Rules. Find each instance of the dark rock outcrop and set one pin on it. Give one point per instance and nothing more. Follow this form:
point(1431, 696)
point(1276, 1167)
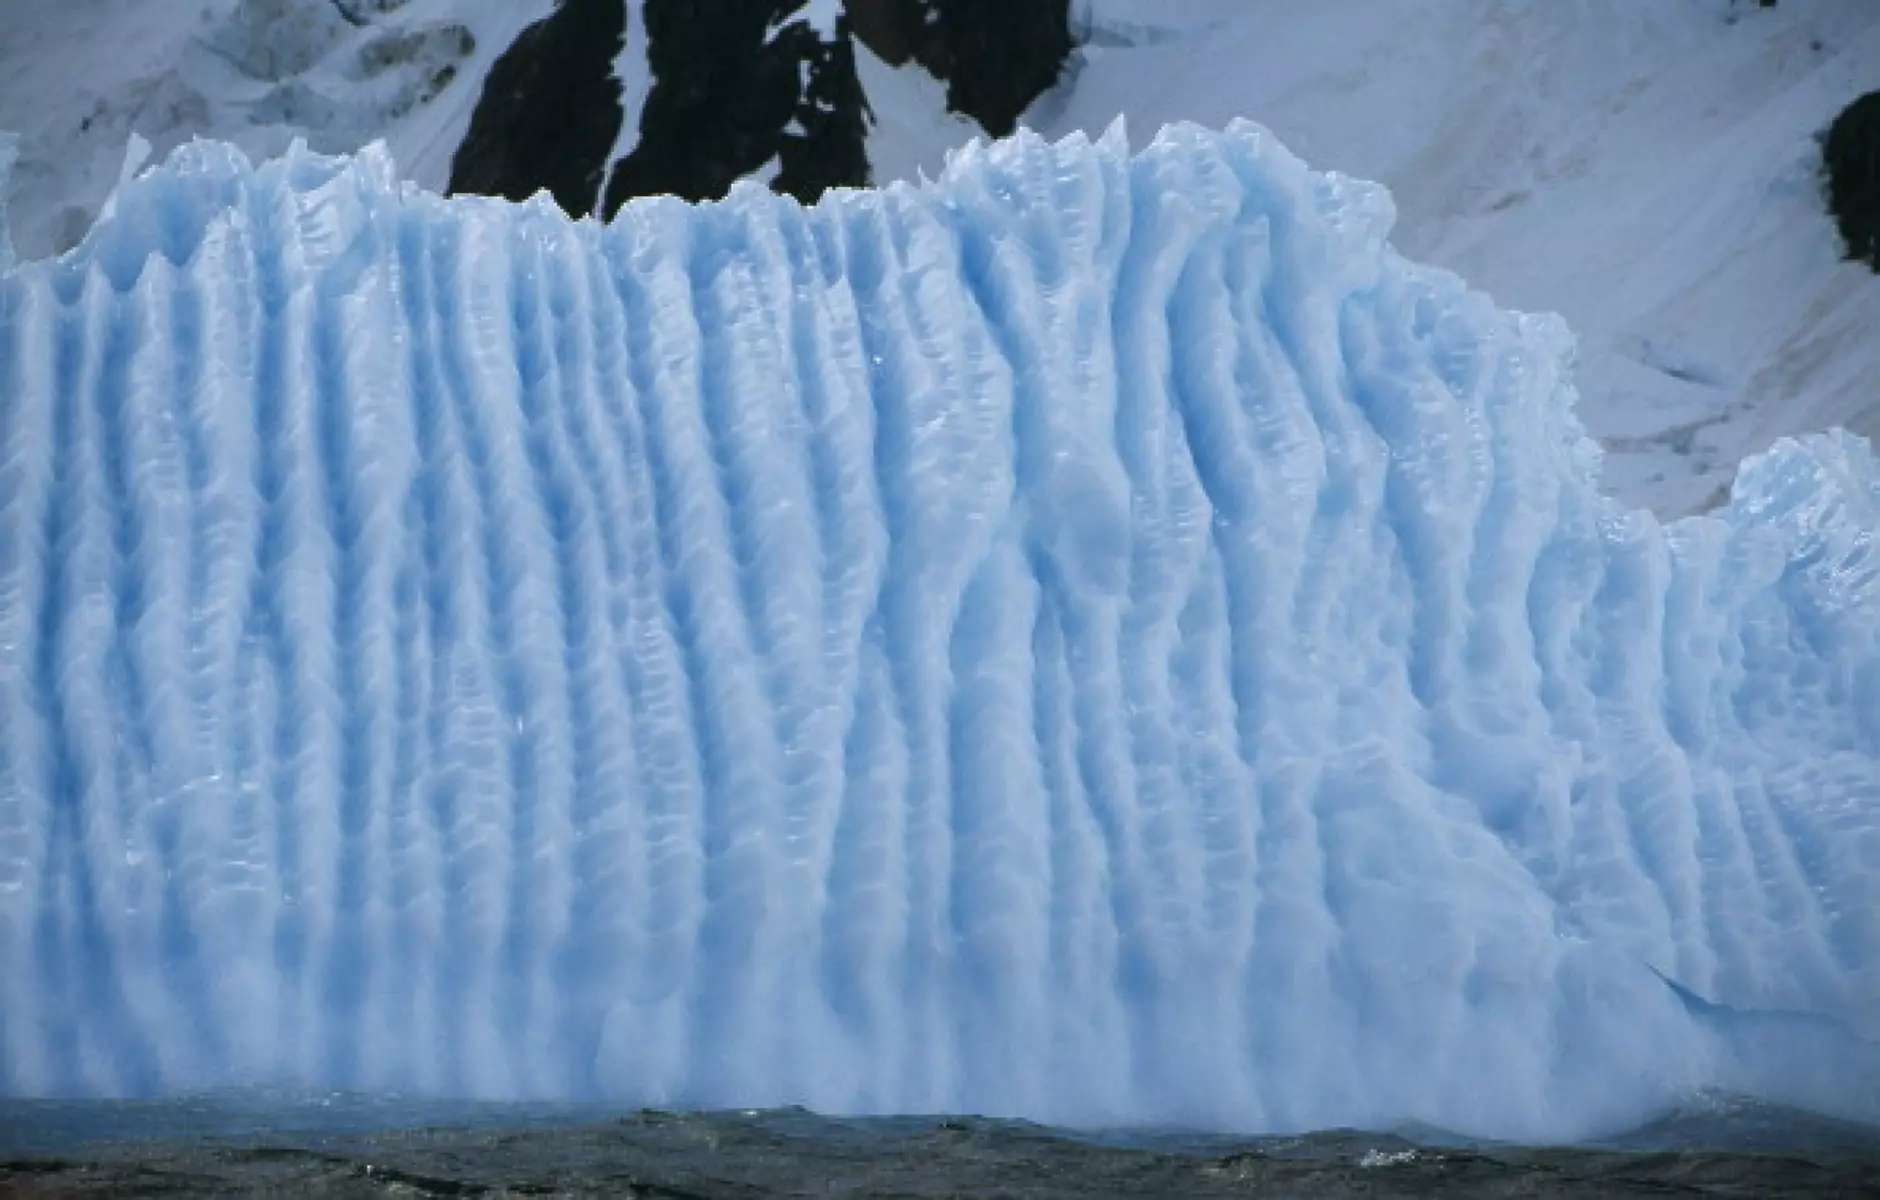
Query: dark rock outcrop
point(550, 110)
point(829, 148)
point(737, 85)
point(1850, 163)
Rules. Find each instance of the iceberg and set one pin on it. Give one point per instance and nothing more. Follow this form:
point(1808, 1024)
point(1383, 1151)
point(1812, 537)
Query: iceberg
point(1097, 638)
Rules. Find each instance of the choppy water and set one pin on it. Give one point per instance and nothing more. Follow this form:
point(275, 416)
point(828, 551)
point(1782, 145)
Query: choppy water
point(268, 1143)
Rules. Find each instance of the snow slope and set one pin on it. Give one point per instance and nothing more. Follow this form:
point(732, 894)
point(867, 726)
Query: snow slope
point(1095, 639)
point(633, 72)
point(1646, 168)
point(79, 77)
point(910, 131)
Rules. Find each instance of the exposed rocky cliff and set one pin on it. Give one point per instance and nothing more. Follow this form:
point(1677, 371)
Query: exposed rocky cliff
point(737, 87)
point(1850, 156)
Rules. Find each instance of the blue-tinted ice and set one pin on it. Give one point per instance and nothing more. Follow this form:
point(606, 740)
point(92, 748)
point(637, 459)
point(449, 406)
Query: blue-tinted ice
point(1096, 639)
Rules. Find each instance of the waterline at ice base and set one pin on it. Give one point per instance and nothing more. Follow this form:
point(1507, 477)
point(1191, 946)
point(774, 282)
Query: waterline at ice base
point(1096, 638)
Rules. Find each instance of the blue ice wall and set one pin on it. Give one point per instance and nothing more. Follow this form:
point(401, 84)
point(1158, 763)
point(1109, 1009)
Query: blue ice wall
point(1094, 638)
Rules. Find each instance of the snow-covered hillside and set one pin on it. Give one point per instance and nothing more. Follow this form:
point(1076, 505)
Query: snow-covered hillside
point(79, 77)
point(1646, 168)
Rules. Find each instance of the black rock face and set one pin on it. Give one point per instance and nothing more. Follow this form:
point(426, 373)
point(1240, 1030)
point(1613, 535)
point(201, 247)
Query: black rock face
point(1850, 155)
point(736, 85)
point(549, 111)
point(829, 150)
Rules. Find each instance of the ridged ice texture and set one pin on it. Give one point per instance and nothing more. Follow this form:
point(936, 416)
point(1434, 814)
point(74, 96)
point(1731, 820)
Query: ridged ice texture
point(1095, 639)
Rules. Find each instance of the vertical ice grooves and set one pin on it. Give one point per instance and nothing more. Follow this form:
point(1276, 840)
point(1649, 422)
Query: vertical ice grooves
point(736, 586)
point(539, 899)
point(208, 841)
point(1099, 638)
point(480, 805)
point(25, 816)
point(420, 901)
point(345, 490)
point(648, 1044)
point(116, 692)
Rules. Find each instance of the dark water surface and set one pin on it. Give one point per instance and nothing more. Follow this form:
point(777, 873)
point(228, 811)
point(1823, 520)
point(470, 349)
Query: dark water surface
point(338, 1145)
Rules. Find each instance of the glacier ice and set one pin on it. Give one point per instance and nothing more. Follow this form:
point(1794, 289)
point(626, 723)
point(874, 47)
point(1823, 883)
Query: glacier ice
point(1094, 638)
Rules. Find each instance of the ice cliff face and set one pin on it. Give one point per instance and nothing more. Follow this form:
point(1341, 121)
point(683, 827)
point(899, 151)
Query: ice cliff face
point(1095, 638)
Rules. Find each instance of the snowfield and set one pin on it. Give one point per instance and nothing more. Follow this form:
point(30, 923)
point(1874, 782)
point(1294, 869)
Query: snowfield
point(1647, 170)
point(79, 77)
